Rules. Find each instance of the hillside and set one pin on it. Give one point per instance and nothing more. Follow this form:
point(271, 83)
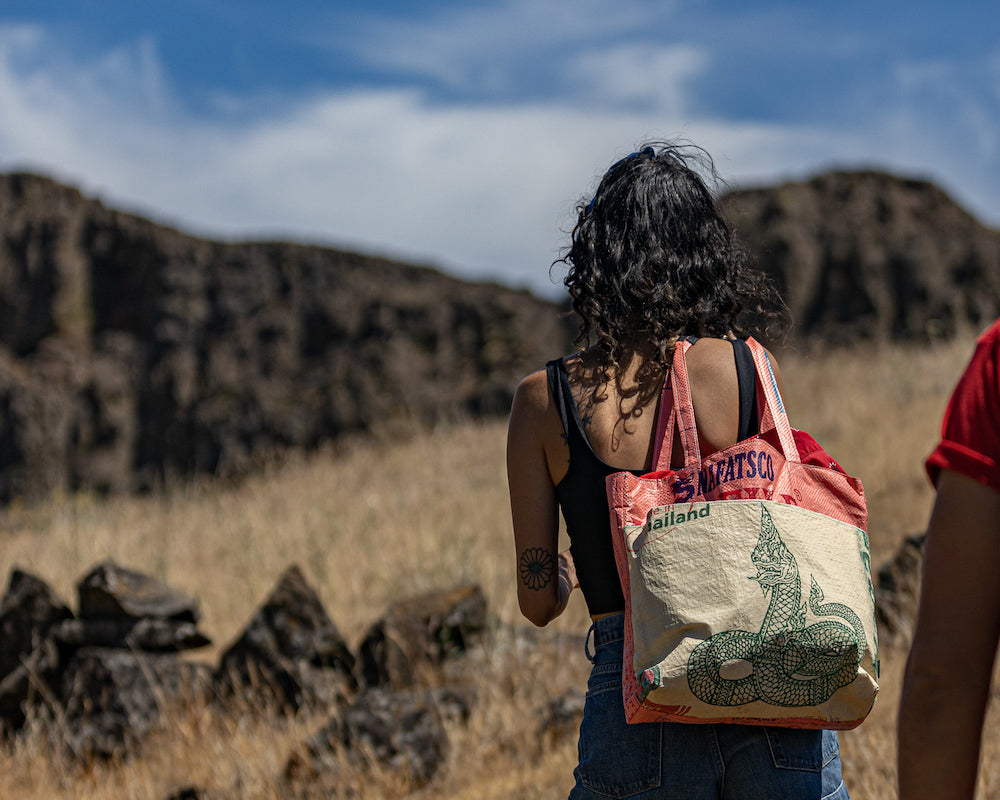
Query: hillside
point(132, 353)
point(868, 255)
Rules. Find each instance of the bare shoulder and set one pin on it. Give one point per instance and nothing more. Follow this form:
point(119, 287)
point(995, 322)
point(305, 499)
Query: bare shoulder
point(533, 415)
point(532, 395)
point(709, 348)
point(711, 362)
point(534, 431)
point(717, 351)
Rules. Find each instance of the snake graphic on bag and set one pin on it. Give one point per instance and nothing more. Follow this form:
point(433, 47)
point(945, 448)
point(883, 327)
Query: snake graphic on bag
point(792, 664)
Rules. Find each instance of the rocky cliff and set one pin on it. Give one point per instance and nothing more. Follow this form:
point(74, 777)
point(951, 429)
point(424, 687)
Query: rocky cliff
point(869, 255)
point(130, 352)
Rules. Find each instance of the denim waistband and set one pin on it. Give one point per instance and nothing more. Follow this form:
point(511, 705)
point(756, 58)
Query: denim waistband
point(605, 631)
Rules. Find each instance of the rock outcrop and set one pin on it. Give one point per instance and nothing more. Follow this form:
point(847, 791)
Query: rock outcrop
point(107, 673)
point(291, 653)
point(131, 353)
point(102, 682)
point(868, 255)
point(420, 633)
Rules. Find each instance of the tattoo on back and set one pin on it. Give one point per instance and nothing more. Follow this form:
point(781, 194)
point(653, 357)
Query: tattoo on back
point(536, 567)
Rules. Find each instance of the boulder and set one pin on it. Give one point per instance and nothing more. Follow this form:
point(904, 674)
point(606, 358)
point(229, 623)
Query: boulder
point(28, 610)
point(291, 652)
point(561, 717)
point(113, 698)
point(104, 674)
point(150, 634)
point(420, 632)
point(110, 591)
point(402, 732)
point(29, 686)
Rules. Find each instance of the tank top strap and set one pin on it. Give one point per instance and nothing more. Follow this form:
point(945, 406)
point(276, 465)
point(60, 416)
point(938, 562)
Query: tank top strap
point(746, 375)
point(557, 387)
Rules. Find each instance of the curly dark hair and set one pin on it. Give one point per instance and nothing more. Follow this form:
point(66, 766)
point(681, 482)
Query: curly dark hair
point(652, 260)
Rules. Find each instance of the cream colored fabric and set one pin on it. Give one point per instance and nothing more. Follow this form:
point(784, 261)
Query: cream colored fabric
point(699, 570)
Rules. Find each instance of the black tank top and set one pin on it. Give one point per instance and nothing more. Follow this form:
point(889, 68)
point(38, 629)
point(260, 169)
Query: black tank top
point(581, 492)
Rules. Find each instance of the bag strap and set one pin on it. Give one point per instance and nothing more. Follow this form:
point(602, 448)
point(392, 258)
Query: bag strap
point(663, 439)
point(677, 412)
point(773, 413)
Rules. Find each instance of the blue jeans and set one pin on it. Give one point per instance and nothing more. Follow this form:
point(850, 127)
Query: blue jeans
point(667, 760)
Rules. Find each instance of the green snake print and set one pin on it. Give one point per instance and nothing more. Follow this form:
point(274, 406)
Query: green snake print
point(790, 664)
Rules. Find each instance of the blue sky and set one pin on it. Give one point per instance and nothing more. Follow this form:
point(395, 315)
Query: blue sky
point(462, 134)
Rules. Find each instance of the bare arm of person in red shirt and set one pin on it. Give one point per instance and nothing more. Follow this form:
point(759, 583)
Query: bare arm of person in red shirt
point(946, 688)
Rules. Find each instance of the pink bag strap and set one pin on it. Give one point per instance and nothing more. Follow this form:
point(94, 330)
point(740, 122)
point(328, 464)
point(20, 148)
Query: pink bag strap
point(772, 409)
point(677, 412)
point(663, 442)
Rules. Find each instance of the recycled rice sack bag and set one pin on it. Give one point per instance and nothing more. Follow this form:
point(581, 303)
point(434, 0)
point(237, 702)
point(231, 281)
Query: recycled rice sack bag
point(746, 576)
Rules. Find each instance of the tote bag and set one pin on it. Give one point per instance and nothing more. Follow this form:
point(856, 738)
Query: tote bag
point(746, 576)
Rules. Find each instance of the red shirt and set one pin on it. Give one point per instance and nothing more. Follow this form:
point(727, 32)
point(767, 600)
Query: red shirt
point(970, 432)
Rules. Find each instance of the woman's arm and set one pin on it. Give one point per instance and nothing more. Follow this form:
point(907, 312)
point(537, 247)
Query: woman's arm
point(948, 673)
point(545, 577)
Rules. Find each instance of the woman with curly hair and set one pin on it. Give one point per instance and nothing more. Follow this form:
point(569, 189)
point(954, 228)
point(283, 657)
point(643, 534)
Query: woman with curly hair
point(651, 261)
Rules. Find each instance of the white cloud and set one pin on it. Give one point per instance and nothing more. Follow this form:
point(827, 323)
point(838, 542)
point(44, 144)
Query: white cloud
point(485, 190)
point(645, 75)
point(485, 47)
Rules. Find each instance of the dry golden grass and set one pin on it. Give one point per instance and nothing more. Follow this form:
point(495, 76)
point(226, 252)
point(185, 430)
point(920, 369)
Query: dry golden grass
point(371, 523)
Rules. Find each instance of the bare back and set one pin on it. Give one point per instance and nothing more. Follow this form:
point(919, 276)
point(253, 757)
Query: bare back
point(620, 429)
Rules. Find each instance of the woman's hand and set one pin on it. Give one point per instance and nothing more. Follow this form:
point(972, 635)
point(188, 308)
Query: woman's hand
point(567, 579)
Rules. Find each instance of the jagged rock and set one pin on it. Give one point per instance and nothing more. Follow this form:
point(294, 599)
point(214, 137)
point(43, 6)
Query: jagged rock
point(897, 592)
point(402, 731)
point(422, 631)
point(290, 651)
point(149, 634)
point(95, 671)
point(113, 698)
point(113, 592)
point(28, 609)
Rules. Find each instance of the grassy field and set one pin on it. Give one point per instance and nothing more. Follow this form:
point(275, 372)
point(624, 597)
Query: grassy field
point(374, 522)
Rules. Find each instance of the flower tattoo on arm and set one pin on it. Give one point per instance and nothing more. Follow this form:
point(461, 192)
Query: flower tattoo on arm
point(537, 566)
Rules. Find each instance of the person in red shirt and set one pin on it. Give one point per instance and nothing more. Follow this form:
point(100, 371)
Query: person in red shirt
point(948, 673)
